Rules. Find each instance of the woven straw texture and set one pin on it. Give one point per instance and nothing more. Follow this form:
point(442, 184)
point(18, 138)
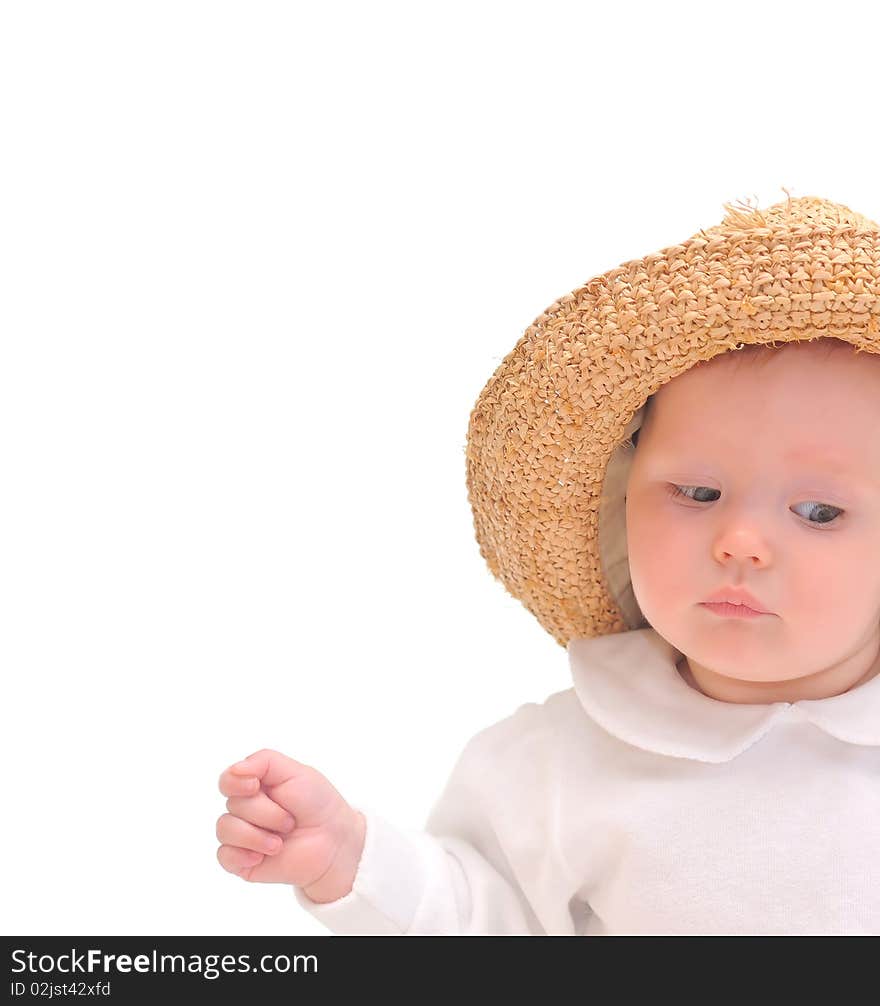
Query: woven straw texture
point(565, 398)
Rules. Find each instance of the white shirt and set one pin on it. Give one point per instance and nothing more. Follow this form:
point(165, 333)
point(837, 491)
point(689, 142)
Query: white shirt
point(633, 804)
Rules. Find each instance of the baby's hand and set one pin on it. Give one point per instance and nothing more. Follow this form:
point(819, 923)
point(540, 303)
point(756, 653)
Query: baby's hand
point(287, 824)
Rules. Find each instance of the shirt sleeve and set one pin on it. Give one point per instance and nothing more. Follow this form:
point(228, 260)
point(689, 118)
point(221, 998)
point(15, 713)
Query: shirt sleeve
point(451, 879)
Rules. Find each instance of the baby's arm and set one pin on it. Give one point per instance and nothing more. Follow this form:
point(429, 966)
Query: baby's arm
point(356, 872)
point(413, 883)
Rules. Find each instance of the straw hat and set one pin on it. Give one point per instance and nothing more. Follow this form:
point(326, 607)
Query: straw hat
point(548, 444)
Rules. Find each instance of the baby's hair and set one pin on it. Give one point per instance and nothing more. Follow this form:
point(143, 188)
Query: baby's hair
point(756, 355)
point(764, 352)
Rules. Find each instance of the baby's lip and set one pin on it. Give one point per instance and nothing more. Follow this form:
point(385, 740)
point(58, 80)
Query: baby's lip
point(737, 595)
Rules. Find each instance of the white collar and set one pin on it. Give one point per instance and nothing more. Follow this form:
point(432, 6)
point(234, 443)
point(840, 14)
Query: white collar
point(629, 684)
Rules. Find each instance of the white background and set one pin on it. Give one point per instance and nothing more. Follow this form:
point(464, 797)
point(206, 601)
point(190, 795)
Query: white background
point(258, 261)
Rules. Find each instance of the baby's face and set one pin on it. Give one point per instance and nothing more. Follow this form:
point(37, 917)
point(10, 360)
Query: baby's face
point(787, 460)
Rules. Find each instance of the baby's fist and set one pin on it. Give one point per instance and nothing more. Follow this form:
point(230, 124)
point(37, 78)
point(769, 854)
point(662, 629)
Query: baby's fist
point(287, 824)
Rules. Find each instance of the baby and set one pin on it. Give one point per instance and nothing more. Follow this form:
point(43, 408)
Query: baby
point(715, 768)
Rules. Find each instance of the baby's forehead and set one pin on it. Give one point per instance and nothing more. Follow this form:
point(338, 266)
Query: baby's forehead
point(798, 375)
point(833, 447)
point(802, 403)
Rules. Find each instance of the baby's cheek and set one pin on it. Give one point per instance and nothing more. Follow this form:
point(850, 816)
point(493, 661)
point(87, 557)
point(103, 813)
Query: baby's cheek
point(663, 583)
point(660, 560)
point(822, 604)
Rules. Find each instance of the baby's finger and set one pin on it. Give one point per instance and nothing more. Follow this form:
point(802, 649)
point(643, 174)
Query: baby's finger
point(238, 861)
point(262, 811)
point(232, 830)
point(231, 784)
point(271, 767)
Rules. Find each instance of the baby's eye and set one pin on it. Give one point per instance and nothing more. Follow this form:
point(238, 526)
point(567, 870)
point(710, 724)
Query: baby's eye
point(697, 489)
point(823, 511)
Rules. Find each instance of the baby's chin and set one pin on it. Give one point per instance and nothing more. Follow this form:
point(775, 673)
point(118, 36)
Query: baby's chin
point(739, 656)
point(748, 667)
